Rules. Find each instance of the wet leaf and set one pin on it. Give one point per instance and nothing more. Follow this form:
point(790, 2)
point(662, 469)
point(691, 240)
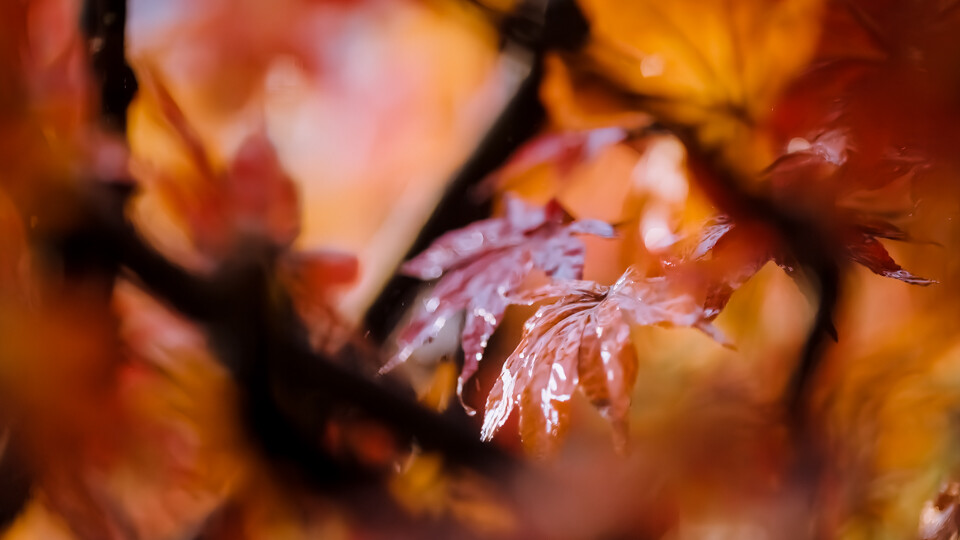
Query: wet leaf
point(583, 340)
point(808, 178)
point(720, 258)
point(864, 248)
point(725, 256)
point(481, 264)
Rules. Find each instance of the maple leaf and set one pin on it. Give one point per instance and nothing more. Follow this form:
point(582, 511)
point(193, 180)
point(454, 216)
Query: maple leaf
point(728, 256)
point(484, 262)
point(863, 248)
point(810, 177)
point(859, 79)
point(583, 340)
point(728, 52)
point(251, 197)
point(817, 176)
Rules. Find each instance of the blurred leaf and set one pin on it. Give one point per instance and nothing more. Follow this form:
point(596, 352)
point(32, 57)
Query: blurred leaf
point(252, 196)
point(716, 67)
point(425, 486)
point(313, 278)
point(808, 178)
point(561, 150)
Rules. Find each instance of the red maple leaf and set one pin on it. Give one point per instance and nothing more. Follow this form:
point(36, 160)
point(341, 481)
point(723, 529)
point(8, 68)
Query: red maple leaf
point(811, 177)
point(726, 255)
point(481, 264)
point(862, 247)
point(583, 340)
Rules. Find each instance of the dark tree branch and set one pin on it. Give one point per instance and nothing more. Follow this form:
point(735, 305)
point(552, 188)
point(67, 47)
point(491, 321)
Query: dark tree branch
point(15, 478)
point(104, 25)
point(254, 327)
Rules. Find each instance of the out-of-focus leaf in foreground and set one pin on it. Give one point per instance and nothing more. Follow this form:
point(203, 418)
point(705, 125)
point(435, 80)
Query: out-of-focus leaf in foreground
point(484, 262)
point(583, 340)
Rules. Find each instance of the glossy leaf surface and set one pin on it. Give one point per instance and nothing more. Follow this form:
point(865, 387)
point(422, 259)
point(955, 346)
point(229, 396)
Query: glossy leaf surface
point(481, 264)
point(583, 340)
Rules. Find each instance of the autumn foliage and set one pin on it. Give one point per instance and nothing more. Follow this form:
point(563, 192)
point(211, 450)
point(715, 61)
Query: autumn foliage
point(714, 296)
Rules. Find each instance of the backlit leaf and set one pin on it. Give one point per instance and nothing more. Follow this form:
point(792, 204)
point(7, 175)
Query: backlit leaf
point(717, 67)
point(484, 262)
point(583, 340)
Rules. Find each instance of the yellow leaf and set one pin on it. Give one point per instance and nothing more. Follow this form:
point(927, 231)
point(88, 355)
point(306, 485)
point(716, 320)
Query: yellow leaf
point(716, 67)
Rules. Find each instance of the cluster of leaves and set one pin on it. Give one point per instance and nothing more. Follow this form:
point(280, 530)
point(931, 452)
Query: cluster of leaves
point(482, 265)
point(796, 117)
point(713, 83)
point(582, 336)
